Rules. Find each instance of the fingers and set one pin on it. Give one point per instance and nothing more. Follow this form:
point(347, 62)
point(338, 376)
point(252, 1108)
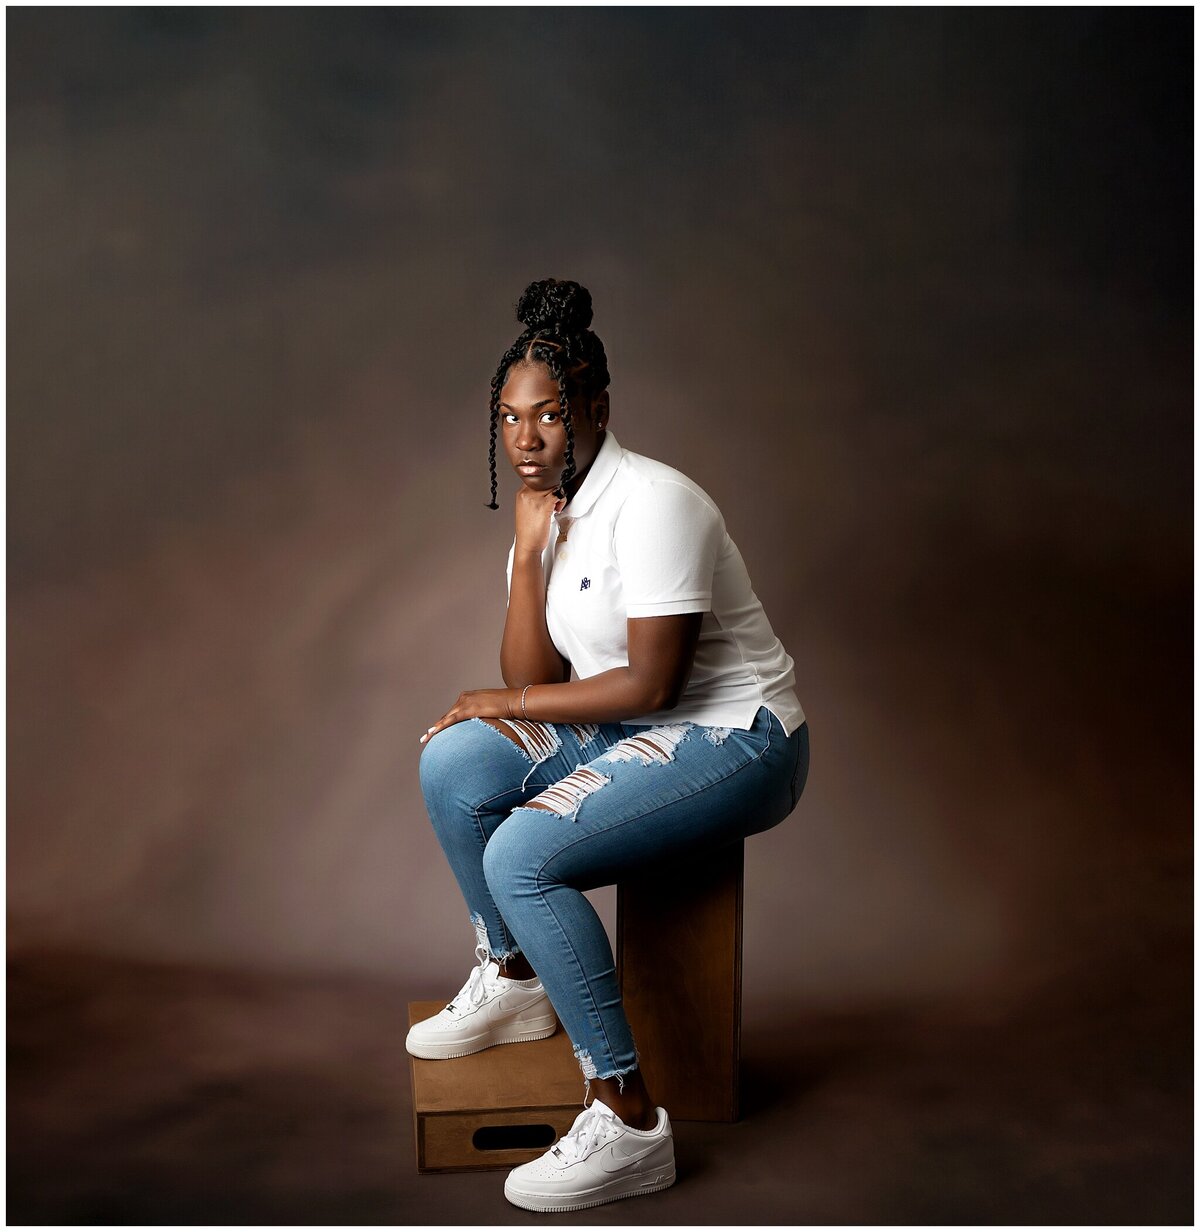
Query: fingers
point(447, 720)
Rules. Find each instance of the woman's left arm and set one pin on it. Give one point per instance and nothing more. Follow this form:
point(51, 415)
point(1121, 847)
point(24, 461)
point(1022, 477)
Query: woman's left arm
point(661, 652)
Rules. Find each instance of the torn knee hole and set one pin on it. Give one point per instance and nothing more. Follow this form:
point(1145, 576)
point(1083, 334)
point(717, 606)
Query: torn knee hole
point(565, 796)
point(658, 744)
point(583, 732)
point(538, 741)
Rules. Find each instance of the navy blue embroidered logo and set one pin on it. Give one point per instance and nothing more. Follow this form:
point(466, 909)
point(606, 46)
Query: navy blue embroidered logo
point(585, 583)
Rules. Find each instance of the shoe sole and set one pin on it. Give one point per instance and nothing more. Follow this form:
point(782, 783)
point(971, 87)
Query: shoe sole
point(523, 1034)
point(652, 1182)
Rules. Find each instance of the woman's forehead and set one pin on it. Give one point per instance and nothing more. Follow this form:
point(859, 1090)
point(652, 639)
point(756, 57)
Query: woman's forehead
point(530, 376)
point(527, 386)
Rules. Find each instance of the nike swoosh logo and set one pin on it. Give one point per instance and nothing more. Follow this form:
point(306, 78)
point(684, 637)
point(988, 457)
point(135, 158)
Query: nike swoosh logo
point(511, 1001)
point(613, 1161)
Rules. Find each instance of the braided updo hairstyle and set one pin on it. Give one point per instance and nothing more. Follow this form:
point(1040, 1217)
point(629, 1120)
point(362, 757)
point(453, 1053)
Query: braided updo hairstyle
point(556, 315)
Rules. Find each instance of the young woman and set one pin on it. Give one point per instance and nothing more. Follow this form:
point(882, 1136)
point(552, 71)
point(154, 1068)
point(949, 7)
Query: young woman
point(682, 731)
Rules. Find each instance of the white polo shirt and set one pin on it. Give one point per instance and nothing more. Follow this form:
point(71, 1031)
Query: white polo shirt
point(639, 538)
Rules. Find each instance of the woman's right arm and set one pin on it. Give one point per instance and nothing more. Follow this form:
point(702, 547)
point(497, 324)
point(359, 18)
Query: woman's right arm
point(527, 655)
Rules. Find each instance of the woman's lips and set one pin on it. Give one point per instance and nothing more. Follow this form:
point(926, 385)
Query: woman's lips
point(530, 468)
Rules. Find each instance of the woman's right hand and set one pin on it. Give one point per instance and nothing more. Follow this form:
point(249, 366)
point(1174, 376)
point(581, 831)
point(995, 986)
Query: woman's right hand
point(533, 520)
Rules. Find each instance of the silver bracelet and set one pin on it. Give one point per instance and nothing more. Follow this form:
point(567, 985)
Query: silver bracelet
point(523, 692)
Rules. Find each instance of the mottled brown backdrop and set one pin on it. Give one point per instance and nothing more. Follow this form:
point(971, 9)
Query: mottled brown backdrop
point(908, 292)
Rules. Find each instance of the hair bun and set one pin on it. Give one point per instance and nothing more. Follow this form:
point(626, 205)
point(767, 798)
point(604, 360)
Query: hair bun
point(551, 304)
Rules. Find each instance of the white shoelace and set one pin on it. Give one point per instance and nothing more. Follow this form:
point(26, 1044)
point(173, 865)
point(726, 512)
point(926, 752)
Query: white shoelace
point(590, 1127)
point(474, 992)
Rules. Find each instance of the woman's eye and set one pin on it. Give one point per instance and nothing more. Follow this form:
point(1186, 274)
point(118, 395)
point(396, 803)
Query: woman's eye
point(547, 416)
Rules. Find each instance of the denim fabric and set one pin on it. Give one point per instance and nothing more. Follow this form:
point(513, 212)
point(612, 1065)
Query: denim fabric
point(616, 796)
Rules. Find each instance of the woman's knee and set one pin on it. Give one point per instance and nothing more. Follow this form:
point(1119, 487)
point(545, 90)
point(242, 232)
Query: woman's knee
point(514, 854)
point(460, 762)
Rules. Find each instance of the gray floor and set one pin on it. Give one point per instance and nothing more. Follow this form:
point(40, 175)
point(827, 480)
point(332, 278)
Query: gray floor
point(154, 1094)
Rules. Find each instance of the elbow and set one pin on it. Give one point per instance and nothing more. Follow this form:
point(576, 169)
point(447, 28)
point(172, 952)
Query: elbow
point(664, 696)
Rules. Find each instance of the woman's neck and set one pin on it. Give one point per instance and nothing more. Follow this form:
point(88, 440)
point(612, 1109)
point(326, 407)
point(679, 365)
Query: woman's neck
point(578, 478)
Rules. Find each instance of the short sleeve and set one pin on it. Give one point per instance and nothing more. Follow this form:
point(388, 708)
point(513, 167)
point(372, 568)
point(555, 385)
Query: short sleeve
point(666, 541)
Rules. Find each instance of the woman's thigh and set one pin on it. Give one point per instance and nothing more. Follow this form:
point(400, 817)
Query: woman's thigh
point(661, 791)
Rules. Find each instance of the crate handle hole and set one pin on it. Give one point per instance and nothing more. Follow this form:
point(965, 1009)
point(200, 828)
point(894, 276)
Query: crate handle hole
point(512, 1137)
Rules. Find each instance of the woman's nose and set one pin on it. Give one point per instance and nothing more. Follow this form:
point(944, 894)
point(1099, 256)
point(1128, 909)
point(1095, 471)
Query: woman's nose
point(527, 437)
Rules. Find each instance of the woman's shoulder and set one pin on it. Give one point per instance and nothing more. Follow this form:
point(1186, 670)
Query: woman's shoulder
point(649, 478)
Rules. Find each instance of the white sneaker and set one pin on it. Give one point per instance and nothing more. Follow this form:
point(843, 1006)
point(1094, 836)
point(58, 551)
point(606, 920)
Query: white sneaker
point(600, 1159)
point(489, 1009)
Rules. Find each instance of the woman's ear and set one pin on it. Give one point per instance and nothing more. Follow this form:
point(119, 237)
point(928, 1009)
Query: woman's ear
point(600, 409)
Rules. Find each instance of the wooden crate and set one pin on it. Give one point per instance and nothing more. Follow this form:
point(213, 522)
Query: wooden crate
point(465, 1108)
point(679, 960)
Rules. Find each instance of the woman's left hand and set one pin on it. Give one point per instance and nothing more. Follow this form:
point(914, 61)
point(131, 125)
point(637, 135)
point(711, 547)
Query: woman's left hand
point(479, 704)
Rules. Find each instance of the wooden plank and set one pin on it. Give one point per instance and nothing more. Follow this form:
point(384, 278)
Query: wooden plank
point(537, 1074)
point(679, 961)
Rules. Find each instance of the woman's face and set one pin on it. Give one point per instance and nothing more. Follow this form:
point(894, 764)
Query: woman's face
point(532, 428)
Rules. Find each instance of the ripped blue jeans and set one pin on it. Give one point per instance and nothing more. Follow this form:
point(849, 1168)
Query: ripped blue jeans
point(532, 814)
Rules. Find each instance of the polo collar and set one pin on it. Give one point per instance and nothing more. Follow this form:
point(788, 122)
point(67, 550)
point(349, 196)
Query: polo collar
point(603, 468)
